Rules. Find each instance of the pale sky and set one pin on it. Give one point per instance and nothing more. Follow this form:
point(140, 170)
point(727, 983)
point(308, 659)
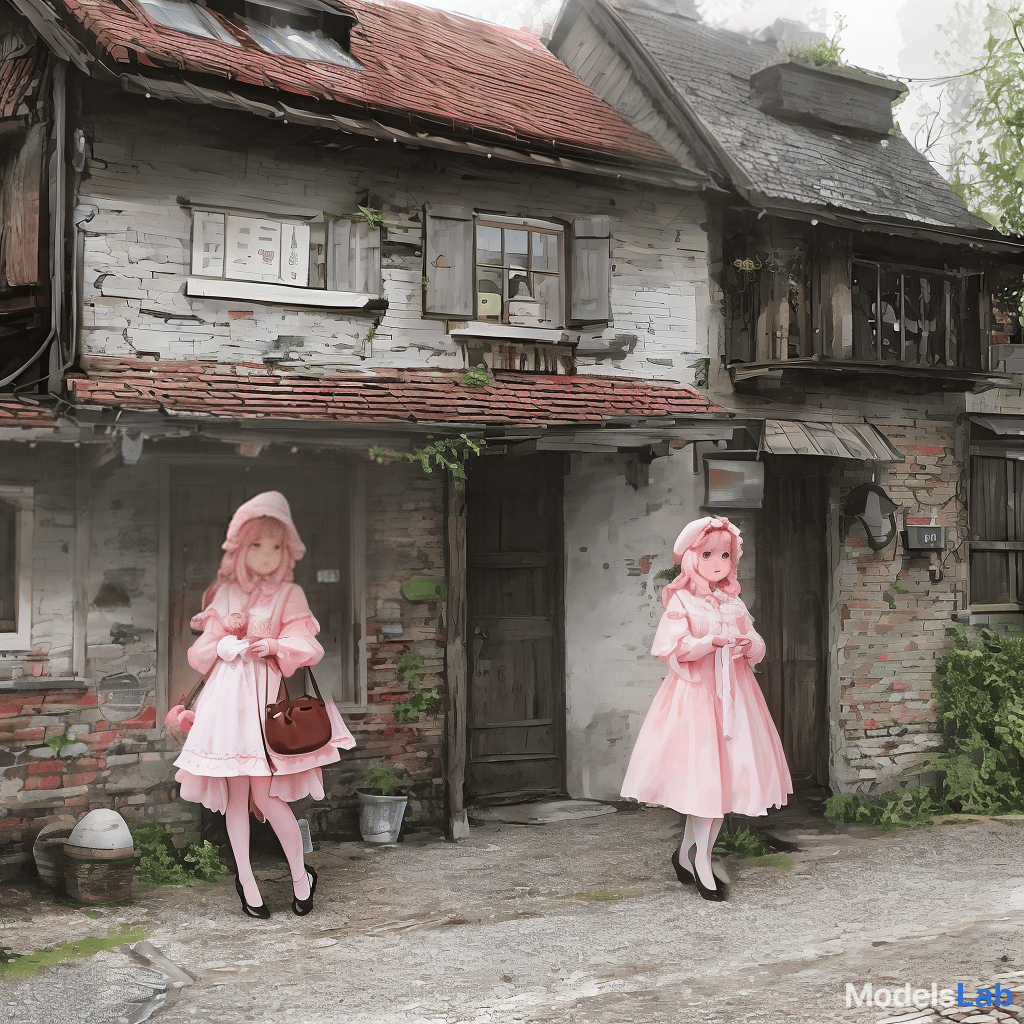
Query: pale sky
point(898, 37)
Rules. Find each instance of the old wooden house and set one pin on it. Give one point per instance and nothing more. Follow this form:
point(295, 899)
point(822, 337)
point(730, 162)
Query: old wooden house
point(261, 245)
point(857, 317)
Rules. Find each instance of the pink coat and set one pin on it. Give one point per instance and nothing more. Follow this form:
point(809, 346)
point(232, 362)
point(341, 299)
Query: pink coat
point(708, 745)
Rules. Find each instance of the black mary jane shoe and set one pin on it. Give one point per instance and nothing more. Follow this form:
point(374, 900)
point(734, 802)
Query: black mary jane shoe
point(682, 874)
point(262, 911)
point(302, 907)
point(716, 895)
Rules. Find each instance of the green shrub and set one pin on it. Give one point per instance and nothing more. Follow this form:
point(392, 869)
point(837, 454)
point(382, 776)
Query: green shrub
point(159, 862)
point(979, 688)
point(828, 54)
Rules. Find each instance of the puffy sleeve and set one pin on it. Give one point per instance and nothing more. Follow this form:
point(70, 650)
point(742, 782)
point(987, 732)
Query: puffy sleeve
point(675, 643)
point(202, 655)
point(745, 627)
point(297, 644)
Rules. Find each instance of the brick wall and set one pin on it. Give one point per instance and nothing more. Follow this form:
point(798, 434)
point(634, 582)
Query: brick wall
point(126, 763)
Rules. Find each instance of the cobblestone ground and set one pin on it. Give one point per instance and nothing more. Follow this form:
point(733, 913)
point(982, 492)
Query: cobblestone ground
point(579, 921)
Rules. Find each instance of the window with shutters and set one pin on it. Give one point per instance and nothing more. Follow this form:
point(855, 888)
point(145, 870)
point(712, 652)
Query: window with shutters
point(288, 260)
point(520, 273)
point(997, 528)
point(16, 516)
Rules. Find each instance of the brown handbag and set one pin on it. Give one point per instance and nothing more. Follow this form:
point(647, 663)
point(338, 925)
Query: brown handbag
point(298, 725)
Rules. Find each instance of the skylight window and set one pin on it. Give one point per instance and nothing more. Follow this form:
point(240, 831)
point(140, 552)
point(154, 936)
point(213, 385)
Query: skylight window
point(187, 17)
point(302, 43)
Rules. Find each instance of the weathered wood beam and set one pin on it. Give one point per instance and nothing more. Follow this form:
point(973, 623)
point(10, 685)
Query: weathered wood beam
point(456, 662)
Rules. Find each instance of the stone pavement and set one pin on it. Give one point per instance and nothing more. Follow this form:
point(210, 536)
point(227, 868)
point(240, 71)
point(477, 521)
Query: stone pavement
point(578, 919)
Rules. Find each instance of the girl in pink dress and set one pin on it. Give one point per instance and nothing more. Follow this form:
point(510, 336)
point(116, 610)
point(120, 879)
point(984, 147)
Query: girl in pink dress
point(257, 627)
point(708, 746)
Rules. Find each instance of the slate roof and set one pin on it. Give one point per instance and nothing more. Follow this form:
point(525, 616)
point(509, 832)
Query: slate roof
point(424, 70)
point(193, 389)
point(791, 163)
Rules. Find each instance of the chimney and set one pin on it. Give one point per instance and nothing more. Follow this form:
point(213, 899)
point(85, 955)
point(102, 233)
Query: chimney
point(849, 99)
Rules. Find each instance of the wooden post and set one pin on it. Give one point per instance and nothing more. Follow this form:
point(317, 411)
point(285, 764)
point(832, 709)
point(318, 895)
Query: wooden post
point(456, 663)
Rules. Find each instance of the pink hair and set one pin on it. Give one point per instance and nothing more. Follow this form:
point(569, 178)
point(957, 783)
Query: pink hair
point(687, 562)
point(233, 568)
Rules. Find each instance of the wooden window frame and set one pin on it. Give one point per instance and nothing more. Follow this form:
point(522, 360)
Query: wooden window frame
point(350, 265)
point(23, 500)
point(531, 226)
point(977, 545)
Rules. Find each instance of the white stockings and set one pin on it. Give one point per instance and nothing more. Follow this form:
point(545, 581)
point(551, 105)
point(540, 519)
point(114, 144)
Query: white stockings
point(282, 821)
point(702, 833)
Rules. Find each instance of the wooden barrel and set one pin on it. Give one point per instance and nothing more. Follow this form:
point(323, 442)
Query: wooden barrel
point(98, 876)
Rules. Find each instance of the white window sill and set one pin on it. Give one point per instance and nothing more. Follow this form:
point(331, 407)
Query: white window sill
point(506, 332)
point(277, 294)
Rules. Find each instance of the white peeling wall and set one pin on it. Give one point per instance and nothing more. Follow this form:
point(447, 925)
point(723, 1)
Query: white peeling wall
point(138, 244)
point(617, 540)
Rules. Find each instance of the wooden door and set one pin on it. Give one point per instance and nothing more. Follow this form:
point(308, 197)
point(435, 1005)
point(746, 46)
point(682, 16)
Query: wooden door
point(203, 496)
point(515, 713)
point(793, 610)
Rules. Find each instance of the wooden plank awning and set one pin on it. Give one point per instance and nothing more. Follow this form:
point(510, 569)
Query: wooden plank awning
point(860, 441)
point(1004, 426)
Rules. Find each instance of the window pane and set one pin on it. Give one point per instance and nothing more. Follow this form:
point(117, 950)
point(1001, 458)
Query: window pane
point(865, 295)
point(924, 319)
point(993, 577)
point(517, 249)
point(892, 306)
point(185, 17)
point(488, 245)
point(488, 294)
point(545, 251)
point(8, 568)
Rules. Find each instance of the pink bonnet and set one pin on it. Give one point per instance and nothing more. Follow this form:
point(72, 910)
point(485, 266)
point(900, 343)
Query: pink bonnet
point(693, 533)
point(269, 503)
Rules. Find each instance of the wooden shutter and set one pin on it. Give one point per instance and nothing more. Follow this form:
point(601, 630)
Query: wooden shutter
point(353, 258)
point(448, 262)
point(591, 271)
point(21, 184)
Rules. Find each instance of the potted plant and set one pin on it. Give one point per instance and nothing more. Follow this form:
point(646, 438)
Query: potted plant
point(381, 806)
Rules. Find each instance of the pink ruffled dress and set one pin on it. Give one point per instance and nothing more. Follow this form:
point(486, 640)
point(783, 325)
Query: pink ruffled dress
point(226, 739)
point(708, 746)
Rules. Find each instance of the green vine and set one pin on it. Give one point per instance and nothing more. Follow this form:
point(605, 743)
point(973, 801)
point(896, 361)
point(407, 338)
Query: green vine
point(979, 690)
point(447, 453)
point(669, 574)
point(58, 743)
point(422, 701)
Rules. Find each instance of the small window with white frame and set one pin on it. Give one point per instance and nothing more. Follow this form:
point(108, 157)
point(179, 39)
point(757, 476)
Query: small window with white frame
point(293, 260)
point(16, 518)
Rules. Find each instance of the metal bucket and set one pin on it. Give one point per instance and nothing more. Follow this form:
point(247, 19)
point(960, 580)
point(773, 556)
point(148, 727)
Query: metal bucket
point(380, 817)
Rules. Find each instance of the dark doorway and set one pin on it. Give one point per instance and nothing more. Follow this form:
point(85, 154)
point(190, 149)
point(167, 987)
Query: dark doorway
point(516, 701)
point(792, 592)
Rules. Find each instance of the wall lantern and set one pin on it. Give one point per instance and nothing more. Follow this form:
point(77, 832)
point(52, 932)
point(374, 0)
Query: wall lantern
point(875, 511)
point(733, 479)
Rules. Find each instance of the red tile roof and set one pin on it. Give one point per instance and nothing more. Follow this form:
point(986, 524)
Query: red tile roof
point(424, 70)
point(19, 414)
point(248, 391)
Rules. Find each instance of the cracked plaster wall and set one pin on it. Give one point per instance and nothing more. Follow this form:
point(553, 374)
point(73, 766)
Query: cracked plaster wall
point(137, 247)
point(616, 540)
